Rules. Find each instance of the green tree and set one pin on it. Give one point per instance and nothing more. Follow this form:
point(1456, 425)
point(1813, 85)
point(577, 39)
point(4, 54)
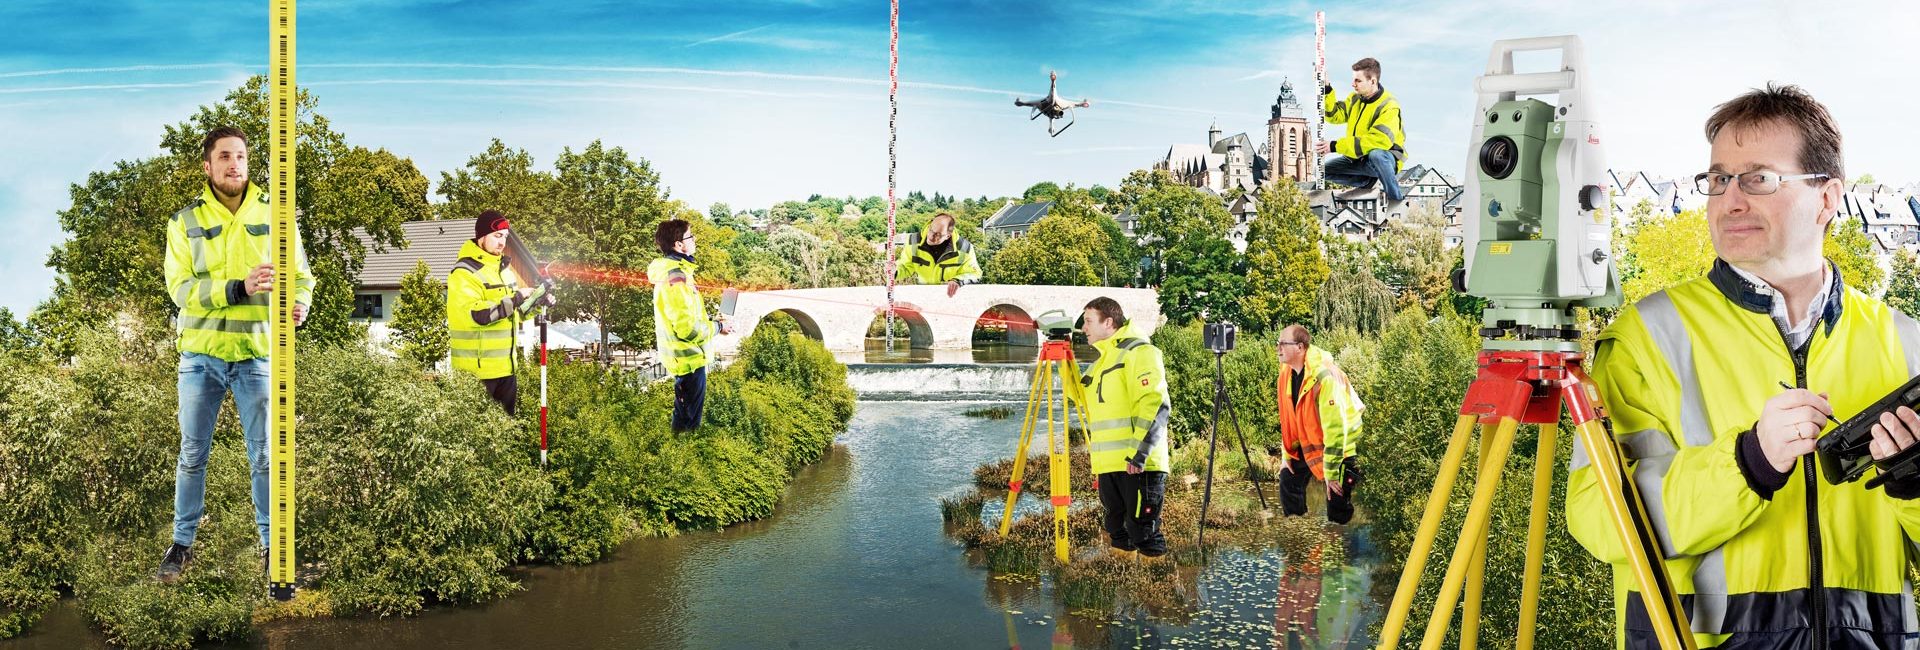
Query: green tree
point(14, 335)
point(113, 252)
point(1059, 250)
point(1285, 266)
point(604, 210)
point(1848, 245)
point(1041, 191)
point(1190, 259)
point(1667, 250)
point(1903, 284)
point(500, 179)
point(420, 320)
point(1410, 256)
point(1353, 299)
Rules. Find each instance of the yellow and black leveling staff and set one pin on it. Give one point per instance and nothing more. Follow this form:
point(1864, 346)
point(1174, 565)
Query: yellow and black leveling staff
point(284, 98)
point(1056, 360)
point(1537, 247)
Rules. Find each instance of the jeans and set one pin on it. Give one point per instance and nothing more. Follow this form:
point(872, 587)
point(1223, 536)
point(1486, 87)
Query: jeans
point(204, 384)
point(1363, 171)
point(689, 399)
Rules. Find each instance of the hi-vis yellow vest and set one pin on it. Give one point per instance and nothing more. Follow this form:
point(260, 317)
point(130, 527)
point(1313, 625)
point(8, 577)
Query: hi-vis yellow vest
point(958, 263)
point(1370, 125)
point(680, 325)
point(209, 253)
point(1684, 374)
point(1127, 405)
point(482, 316)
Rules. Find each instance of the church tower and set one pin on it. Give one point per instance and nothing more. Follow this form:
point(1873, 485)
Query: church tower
point(1290, 138)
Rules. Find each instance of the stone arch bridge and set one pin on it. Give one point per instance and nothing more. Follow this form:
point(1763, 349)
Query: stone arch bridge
point(840, 317)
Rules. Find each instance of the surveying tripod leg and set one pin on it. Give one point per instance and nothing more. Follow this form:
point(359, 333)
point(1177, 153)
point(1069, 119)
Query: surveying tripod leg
point(1057, 472)
point(1429, 528)
point(1543, 461)
point(1477, 567)
point(1253, 472)
point(1020, 452)
point(1473, 532)
point(1213, 438)
point(1645, 557)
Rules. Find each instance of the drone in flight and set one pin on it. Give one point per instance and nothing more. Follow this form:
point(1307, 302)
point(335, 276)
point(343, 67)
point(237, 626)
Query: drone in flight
point(1052, 106)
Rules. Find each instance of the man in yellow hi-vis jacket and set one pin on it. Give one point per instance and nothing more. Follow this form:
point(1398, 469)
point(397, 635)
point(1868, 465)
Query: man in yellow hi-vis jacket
point(1765, 553)
point(485, 306)
point(219, 273)
point(1375, 147)
point(1127, 411)
point(939, 258)
point(681, 328)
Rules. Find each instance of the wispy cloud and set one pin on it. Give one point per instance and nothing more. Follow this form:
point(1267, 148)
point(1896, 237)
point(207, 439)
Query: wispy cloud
point(88, 87)
point(1263, 74)
point(1087, 150)
point(729, 37)
point(115, 69)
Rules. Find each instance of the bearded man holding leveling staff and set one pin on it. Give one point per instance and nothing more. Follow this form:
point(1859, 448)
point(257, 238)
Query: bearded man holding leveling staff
point(1764, 553)
point(218, 275)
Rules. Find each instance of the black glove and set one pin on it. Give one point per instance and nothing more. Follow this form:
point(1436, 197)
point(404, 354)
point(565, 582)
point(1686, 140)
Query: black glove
point(1328, 90)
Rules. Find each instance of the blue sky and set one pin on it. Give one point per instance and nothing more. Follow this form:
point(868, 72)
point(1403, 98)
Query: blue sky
point(757, 101)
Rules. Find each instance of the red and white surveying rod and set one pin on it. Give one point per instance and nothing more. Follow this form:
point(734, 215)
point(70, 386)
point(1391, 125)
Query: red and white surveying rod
point(527, 269)
point(542, 321)
point(1319, 105)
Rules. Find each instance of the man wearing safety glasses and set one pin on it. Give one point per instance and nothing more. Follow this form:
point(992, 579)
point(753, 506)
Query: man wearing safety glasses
point(1765, 553)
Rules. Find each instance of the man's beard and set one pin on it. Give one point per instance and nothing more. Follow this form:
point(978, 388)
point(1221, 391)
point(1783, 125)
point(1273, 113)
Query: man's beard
point(233, 189)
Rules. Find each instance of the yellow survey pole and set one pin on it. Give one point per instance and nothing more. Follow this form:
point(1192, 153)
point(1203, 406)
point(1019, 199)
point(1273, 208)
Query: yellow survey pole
point(284, 99)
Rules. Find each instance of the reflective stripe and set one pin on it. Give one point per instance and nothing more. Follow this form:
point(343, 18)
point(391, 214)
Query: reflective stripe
point(1649, 475)
point(1113, 423)
point(481, 335)
point(196, 241)
point(688, 352)
point(206, 293)
point(1909, 340)
point(1707, 612)
point(1669, 333)
point(1109, 445)
point(1635, 446)
point(220, 324)
point(495, 353)
point(1382, 128)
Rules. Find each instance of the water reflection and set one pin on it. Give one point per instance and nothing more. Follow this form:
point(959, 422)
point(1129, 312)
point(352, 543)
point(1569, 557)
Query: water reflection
point(855, 557)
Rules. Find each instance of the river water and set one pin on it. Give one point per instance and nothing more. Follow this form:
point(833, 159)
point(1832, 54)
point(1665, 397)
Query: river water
point(855, 557)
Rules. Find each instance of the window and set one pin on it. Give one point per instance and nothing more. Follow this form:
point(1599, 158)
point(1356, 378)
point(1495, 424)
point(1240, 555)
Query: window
point(368, 306)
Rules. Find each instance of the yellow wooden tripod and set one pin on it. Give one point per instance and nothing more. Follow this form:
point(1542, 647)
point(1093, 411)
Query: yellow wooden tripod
point(1056, 360)
point(1531, 387)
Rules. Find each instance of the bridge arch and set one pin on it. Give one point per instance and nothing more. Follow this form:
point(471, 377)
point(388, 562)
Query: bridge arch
point(807, 326)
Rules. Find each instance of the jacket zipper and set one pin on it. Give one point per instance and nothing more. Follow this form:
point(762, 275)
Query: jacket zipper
point(1817, 584)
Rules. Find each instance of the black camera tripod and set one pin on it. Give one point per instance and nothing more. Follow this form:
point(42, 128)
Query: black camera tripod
point(1222, 398)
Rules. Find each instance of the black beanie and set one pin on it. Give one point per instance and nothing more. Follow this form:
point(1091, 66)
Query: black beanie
point(489, 222)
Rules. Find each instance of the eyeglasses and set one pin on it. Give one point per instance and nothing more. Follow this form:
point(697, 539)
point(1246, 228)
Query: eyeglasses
point(687, 238)
point(1287, 343)
point(1757, 183)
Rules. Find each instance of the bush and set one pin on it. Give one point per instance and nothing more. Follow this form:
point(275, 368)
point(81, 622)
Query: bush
point(1413, 398)
point(414, 488)
point(409, 488)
